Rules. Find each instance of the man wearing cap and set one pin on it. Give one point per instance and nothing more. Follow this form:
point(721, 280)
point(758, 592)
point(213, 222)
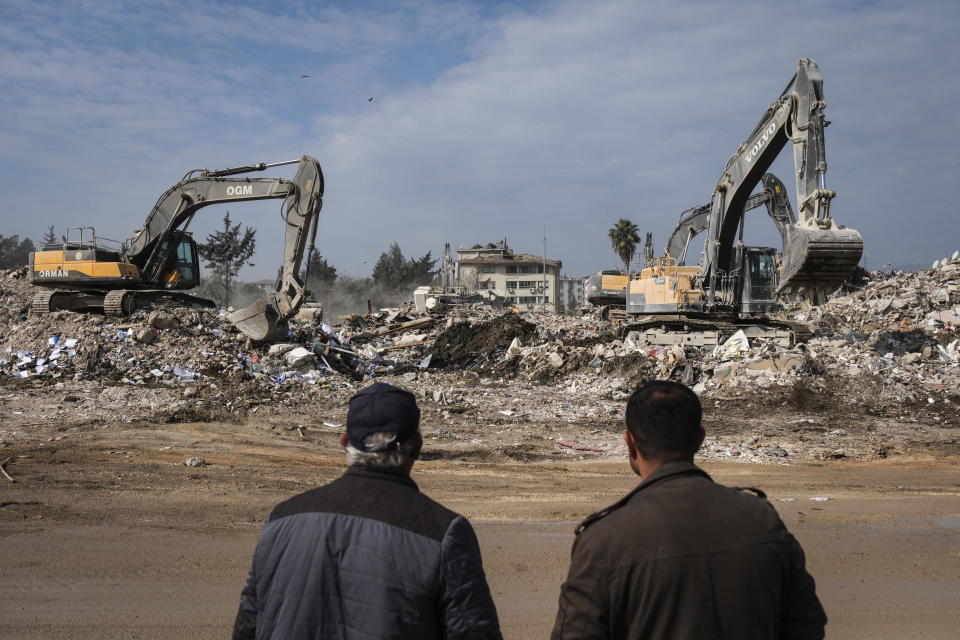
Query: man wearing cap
point(368, 555)
point(681, 556)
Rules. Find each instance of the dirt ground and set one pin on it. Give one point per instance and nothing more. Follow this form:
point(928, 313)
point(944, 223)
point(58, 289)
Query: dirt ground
point(107, 534)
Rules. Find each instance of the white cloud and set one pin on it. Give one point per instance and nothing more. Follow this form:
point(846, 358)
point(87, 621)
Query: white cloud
point(565, 115)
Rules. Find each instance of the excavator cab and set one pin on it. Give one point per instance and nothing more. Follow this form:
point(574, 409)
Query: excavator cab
point(759, 293)
point(184, 271)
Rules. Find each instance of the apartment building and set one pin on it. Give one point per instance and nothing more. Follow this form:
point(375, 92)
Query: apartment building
point(523, 280)
point(570, 294)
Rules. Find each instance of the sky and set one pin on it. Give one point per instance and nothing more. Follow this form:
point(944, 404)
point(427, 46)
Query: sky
point(490, 120)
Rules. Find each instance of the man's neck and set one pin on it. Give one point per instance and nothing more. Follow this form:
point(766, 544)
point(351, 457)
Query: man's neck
point(646, 467)
point(394, 471)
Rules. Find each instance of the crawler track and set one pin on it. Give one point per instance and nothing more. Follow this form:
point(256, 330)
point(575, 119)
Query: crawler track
point(679, 329)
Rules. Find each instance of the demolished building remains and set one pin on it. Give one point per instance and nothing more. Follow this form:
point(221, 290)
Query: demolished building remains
point(879, 371)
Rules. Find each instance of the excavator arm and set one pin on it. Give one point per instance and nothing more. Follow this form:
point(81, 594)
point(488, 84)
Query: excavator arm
point(265, 319)
point(818, 254)
point(692, 221)
point(695, 219)
point(175, 209)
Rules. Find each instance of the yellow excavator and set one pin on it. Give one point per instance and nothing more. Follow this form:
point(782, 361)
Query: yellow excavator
point(736, 287)
point(606, 289)
point(87, 273)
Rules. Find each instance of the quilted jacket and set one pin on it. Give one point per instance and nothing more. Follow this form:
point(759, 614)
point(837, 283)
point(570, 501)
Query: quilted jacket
point(366, 556)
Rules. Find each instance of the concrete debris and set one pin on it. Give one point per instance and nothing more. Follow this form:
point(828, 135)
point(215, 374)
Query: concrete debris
point(280, 348)
point(735, 346)
point(891, 344)
point(298, 357)
point(160, 320)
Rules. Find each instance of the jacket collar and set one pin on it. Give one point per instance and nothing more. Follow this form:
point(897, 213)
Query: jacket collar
point(663, 473)
point(372, 473)
point(669, 470)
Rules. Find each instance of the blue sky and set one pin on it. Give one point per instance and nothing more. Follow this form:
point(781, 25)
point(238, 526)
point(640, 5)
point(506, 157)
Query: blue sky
point(490, 120)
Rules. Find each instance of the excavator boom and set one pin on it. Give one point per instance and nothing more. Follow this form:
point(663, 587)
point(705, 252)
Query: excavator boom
point(818, 254)
point(265, 319)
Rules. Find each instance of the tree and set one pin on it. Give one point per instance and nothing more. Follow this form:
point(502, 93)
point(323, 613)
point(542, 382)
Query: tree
point(422, 270)
point(624, 236)
point(321, 276)
point(394, 272)
point(15, 252)
point(226, 252)
point(389, 270)
point(49, 237)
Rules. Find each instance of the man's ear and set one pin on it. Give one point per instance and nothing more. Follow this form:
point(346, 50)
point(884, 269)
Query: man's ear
point(417, 441)
point(344, 441)
point(700, 438)
point(632, 450)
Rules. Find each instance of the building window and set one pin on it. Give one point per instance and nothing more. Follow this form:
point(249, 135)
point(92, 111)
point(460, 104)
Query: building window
point(487, 268)
point(512, 269)
point(530, 284)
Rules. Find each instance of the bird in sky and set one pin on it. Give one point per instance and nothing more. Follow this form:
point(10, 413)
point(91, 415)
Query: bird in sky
point(304, 76)
point(370, 99)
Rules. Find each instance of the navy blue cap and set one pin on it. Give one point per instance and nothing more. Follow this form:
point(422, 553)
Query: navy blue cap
point(382, 407)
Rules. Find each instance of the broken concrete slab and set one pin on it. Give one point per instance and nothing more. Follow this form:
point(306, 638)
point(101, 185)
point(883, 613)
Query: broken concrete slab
point(280, 348)
point(948, 317)
point(298, 356)
point(784, 362)
point(161, 320)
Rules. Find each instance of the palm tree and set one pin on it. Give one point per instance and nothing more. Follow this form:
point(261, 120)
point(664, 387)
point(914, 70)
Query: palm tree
point(624, 237)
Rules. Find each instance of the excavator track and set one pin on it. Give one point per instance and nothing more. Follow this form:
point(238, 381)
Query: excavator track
point(42, 302)
point(611, 311)
point(682, 330)
point(121, 302)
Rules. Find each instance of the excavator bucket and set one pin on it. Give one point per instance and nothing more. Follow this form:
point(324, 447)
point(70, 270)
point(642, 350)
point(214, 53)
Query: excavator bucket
point(818, 260)
point(259, 321)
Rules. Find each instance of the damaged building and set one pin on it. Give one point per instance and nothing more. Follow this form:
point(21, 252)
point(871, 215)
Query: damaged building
point(524, 281)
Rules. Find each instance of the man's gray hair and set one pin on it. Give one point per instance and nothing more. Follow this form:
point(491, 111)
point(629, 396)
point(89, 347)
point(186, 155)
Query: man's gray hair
point(379, 456)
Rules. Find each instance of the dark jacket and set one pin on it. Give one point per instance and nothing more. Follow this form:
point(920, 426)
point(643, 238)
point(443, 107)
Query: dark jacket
point(683, 557)
point(366, 556)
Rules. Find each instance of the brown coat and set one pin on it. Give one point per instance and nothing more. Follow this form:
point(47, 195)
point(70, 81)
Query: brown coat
point(683, 557)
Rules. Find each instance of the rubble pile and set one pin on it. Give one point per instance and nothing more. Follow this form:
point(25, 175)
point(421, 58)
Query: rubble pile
point(904, 328)
point(463, 343)
point(889, 350)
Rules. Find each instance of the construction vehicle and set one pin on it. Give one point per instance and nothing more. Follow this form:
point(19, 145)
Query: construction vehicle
point(87, 273)
point(608, 289)
point(737, 287)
